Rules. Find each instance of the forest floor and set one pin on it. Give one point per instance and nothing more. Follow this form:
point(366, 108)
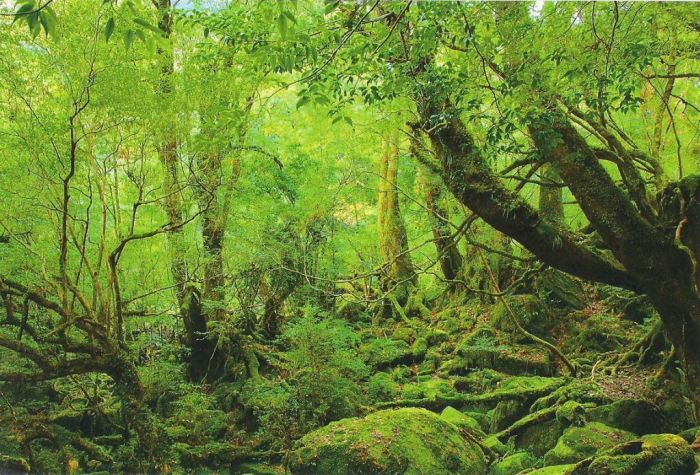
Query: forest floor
point(458, 391)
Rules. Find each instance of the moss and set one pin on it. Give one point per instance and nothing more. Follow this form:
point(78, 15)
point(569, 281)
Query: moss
point(483, 349)
point(258, 469)
point(492, 442)
point(461, 420)
point(506, 413)
point(571, 413)
point(383, 353)
point(575, 390)
point(529, 311)
point(406, 441)
point(540, 438)
point(565, 469)
point(578, 443)
point(428, 389)
point(382, 387)
point(655, 454)
point(419, 348)
point(513, 464)
point(14, 463)
point(638, 416)
point(404, 333)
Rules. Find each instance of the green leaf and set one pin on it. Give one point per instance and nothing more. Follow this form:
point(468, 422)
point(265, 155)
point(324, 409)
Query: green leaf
point(129, 38)
point(282, 24)
point(109, 29)
point(23, 10)
point(303, 100)
point(331, 5)
point(48, 21)
point(34, 24)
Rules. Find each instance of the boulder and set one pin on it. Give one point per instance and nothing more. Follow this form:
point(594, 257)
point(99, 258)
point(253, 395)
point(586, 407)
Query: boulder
point(654, 454)
point(462, 421)
point(513, 464)
point(406, 441)
point(578, 443)
point(382, 353)
point(634, 415)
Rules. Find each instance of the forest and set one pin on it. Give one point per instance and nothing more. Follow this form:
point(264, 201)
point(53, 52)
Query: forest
point(349, 237)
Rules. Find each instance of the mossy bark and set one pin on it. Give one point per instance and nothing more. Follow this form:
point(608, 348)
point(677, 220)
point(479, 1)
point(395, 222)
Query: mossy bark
point(445, 245)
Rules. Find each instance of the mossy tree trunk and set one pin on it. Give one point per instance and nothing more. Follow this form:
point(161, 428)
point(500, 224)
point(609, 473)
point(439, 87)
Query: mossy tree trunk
point(445, 245)
point(646, 259)
point(393, 241)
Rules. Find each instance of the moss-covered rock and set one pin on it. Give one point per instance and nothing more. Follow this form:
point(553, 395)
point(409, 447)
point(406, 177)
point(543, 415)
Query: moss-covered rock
point(382, 353)
point(565, 469)
point(578, 443)
point(406, 441)
point(513, 464)
point(429, 388)
point(461, 420)
point(382, 387)
point(483, 349)
point(506, 413)
point(634, 415)
point(539, 439)
point(654, 454)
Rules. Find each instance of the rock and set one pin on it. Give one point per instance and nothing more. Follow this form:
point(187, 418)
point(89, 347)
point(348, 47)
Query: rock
point(258, 469)
point(554, 470)
point(410, 441)
point(506, 413)
point(429, 389)
point(9, 465)
point(463, 421)
point(382, 387)
point(654, 454)
point(484, 349)
point(513, 464)
point(634, 415)
point(382, 353)
point(578, 443)
point(540, 438)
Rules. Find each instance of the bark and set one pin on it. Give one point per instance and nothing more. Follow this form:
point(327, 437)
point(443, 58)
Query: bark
point(446, 247)
point(392, 230)
point(550, 197)
point(471, 181)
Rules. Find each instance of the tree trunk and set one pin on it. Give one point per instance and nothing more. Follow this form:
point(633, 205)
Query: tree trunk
point(392, 230)
point(550, 199)
point(445, 245)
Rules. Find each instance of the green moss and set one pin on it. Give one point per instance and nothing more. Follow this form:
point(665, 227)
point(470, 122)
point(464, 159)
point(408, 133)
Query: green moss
point(638, 416)
point(540, 438)
point(383, 353)
point(429, 389)
point(529, 311)
point(404, 333)
point(655, 454)
point(461, 420)
point(506, 413)
point(382, 387)
point(419, 348)
point(482, 349)
point(578, 443)
point(407, 441)
point(513, 464)
point(565, 469)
